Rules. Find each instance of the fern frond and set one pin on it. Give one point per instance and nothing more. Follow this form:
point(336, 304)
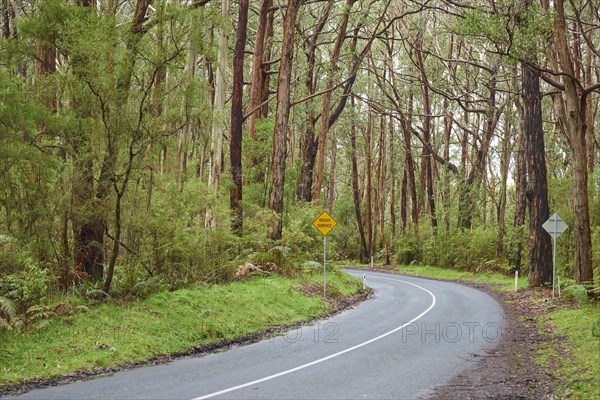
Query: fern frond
point(8, 309)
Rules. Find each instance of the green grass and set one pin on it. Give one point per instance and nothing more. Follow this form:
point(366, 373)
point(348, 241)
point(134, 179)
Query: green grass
point(114, 334)
point(580, 370)
point(502, 282)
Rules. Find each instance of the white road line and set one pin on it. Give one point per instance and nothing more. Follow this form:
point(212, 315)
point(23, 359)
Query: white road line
point(339, 353)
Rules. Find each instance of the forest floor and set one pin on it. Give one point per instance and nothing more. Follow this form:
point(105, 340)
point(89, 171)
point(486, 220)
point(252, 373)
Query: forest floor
point(536, 357)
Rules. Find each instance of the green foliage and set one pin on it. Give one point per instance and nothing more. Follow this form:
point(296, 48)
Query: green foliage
point(407, 250)
point(576, 292)
point(515, 31)
point(8, 312)
point(473, 249)
point(26, 288)
point(290, 261)
point(596, 326)
point(342, 241)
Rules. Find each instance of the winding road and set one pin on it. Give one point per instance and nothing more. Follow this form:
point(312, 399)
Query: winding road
point(412, 336)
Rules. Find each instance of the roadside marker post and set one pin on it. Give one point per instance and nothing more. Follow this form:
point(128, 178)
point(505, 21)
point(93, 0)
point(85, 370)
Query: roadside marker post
point(324, 224)
point(516, 280)
point(554, 226)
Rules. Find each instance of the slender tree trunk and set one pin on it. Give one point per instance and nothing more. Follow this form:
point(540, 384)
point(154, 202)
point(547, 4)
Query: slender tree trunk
point(369, 183)
point(237, 120)
point(466, 201)
point(426, 167)
point(410, 167)
point(520, 196)
point(404, 199)
point(256, 89)
point(393, 177)
point(332, 171)
point(324, 128)
point(381, 180)
point(282, 113)
point(504, 165)
point(5, 20)
point(308, 150)
point(448, 121)
point(216, 147)
point(364, 251)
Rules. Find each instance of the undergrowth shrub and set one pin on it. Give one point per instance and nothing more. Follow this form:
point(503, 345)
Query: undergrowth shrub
point(26, 288)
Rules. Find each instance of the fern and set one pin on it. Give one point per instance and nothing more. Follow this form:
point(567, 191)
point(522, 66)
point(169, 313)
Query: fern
point(37, 313)
point(8, 312)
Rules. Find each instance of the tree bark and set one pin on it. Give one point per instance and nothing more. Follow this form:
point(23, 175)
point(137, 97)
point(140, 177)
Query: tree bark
point(369, 183)
point(237, 120)
point(256, 88)
point(466, 201)
point(574, 121)
point(216, 147)
point(410, 167)
point(501, 208)
point(426, 167)
point(308, 150)
point(324, 128)
point(332, 174)
point(520, 196)
point(540, 262)
point(364, 251)
point(282, 113)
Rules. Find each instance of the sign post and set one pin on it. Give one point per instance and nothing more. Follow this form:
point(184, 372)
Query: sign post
point(554, 226)
point(324, 224)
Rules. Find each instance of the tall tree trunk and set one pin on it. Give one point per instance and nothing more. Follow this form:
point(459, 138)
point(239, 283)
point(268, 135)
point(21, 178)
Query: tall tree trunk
point(410, 168)
point(574, 121)
point(404, 199)
point(332, 171)
point(369, 183)
point(324, 128)
point(256, 88)
point(364, 251)
point(308, 150)
point(5, 20)
point(88, 227)
point(504, 165)
point(88, 230)
point(540, 262)
point(466, 201)
point(237, 119)
point(520, 196)
point(381, 180)
point(393, 177)
point(216, 147)
point(426, 167)
point(448, 121)
point(282, 113)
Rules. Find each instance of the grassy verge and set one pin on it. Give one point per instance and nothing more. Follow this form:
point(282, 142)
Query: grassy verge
point(579, 369)
point(502, 282)
point(113, 334)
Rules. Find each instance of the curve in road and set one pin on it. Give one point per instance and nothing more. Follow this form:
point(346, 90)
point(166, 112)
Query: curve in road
point(413, 335)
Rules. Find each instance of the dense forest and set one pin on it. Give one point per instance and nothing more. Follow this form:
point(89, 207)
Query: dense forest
point(148, 144)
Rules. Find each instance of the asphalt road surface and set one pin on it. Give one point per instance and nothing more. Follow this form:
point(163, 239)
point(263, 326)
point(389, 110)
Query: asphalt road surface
point(413, 335)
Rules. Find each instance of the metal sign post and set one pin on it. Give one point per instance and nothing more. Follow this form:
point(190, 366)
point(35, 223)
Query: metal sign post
point(554, 226)
point(324, 266)
point(324, 223)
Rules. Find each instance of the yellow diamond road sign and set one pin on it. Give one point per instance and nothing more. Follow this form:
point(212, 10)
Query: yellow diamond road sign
point(324, 223)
